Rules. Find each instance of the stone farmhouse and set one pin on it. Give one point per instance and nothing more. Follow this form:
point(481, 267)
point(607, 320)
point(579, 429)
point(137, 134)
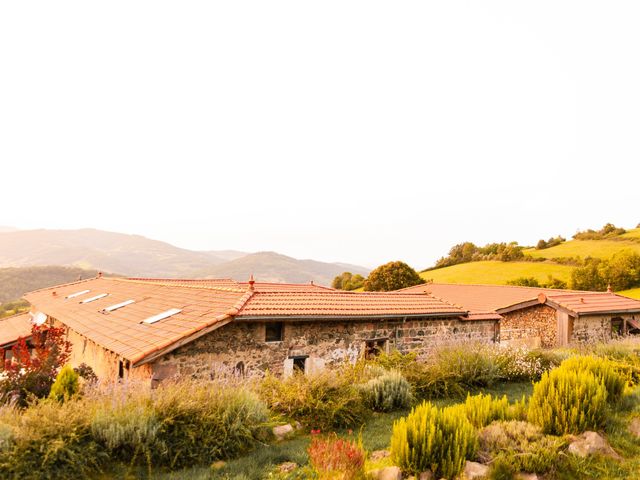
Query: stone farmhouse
point(155, 329)
point(544, 317)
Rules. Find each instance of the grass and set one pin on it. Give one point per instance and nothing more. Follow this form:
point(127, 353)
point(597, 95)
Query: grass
point(633, 293)
point(376, 435)
point(585, 248)
point(497, 273)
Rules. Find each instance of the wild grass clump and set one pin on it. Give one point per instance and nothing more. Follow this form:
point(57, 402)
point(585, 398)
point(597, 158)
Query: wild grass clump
point(522, 445)
point(335, 458)
point(433, 439)
point(387, 392)
point(566, 401)
point(324, 401)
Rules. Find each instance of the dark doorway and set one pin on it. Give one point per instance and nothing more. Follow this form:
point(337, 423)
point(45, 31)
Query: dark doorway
point(374, 347)
point(299, 363)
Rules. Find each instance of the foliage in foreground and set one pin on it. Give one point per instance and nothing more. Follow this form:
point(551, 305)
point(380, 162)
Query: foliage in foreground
point(433, 439)
point(337, 458)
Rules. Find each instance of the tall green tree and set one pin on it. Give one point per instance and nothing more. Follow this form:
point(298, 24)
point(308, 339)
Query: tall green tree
point(392, 276)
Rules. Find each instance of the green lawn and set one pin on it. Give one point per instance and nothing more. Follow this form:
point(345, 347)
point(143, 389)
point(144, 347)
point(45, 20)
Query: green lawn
point(498, 273)
point(633, 293)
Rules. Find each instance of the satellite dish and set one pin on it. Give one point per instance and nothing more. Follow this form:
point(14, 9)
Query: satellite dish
point(38, 318)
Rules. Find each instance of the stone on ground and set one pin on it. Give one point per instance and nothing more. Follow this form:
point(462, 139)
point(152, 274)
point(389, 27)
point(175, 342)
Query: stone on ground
point(379, 455)
point(590, 443)
point(386, 473)
point(474, 470)
point(287, 467)
point(281, 431)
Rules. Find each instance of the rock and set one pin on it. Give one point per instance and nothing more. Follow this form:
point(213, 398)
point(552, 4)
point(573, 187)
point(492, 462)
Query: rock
point(428, 475)
point(281, 431)
point(297, 425)
point(526, 476)
point(386, 473)
point(218, 465)
point(590, 443)
point(379, 455)
point(634, 427)
point(475, 470)
point(287, 467)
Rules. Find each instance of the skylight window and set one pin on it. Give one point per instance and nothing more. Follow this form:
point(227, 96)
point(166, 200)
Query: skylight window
point(111, 308)
point(77, 294)
point(93, 299)
point(162, 316)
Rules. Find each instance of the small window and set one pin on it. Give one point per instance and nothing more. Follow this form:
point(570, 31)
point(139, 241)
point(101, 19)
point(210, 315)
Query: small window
point(273, 332)
point(373, 348)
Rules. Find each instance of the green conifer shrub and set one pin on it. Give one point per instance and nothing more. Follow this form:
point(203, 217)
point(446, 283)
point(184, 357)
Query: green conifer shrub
point(387, 392)
point(568, 401)
point(433, 439)
point(482, 409)
point(66, 385)
point(608, 372)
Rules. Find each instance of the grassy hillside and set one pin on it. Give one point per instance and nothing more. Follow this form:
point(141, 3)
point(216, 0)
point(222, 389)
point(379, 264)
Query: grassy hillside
point(495, 272)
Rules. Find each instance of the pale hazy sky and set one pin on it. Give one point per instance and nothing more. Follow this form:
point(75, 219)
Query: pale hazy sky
point(360, 132)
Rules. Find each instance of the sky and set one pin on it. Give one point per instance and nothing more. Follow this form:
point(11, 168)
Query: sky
point(359, 132)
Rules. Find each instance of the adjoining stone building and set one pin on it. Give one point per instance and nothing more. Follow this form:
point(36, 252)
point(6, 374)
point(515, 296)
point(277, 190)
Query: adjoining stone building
point(154, 329)
point(544, 317)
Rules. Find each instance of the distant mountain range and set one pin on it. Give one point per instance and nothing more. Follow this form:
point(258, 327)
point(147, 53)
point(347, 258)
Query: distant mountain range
point(135, 255)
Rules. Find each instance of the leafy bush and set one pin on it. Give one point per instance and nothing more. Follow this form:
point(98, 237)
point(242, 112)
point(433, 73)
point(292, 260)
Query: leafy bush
point(324, 401)
point(347, 281)
point(387, 392)
point(609, 373)
point(524, 282)
point(621, 272)
point(521, 445)
point(65, 386)
point(608, 231)
point(392, 276)
point(482, 409)
point(336, 458)
point(201, 422)
point(432, 439)
point(566, 401)
point(51, 441)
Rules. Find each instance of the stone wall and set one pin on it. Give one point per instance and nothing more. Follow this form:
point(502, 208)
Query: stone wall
point(597, 328)
point(537, 321)
point(240, 346)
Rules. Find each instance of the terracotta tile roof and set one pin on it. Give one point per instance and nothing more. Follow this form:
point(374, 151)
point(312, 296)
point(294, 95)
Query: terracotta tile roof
point(14, 327)
point(344, 304)
point(495, 298)
point(122, 331)
point(205, 305)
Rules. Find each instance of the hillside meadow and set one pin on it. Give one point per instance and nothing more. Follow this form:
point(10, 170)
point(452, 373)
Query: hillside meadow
point(496, 272)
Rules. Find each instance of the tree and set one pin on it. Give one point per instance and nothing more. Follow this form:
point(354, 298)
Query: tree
point(392, 276)
point(347, 281)
point(31, 373)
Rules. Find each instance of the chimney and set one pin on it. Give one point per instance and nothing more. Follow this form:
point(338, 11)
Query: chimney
point(99, 274)
point(311, 282)
point(609, 289)
point(251, 283)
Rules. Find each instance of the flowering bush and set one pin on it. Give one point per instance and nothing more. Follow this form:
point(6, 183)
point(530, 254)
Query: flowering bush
point(32, 373)
point(518, 363)
point(336, 458)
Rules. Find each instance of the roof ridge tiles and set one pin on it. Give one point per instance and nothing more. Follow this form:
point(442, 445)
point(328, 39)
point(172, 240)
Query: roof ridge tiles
point(176, 283)
point(44, 289)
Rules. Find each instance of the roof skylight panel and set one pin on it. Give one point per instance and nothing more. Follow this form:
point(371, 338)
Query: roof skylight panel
point(93, 299)
point(77, 294)
point(162, 315)
point(111, 308)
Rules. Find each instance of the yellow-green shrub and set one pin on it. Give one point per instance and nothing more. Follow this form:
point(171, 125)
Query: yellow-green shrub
point(611, 373)
point(482, 409)
point(322, 401)
point(433, 439)
point(568, 401)
point(66, 384)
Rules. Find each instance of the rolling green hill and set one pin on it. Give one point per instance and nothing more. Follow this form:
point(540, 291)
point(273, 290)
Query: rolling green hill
point(497, 272)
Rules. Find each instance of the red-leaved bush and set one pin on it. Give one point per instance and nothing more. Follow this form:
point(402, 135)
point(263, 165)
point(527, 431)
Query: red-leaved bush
point(336, 458)
point(32, 371)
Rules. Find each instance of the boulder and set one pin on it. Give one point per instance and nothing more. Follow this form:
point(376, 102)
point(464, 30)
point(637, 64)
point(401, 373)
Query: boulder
point(281, 431)
point(428, 475)
point(379, 455)
point(526, 476)
point(287, 467)
point(634, 427)
point(475, 470)
point(386, 473)
point(590, 443)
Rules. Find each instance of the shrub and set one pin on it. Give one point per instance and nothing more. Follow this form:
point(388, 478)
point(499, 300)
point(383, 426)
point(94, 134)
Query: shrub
point(565, 401)
point(392, 276)
point(201, 422)
point(521, 445)
point(387, 392)
point(482, 409)
point(50, 440)
point(85, 372)
point(65, 386)
point(524, 282)
point(322, 401)
point(517, 364)
point(336, 458)
point(432, 439)
point(609, 373)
